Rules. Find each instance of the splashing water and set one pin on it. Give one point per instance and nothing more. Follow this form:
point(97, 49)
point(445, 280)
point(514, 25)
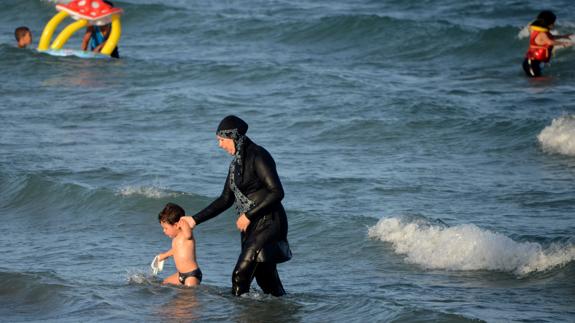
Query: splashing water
point(140, 277)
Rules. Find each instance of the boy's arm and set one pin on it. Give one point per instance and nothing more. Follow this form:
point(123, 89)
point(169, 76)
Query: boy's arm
point(185, 229)
point(166, 254)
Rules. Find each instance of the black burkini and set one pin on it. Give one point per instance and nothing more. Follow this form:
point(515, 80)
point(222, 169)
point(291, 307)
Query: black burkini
point(253, 184)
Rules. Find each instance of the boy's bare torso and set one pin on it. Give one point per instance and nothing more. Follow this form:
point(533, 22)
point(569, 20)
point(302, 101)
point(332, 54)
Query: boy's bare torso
point(184, 253)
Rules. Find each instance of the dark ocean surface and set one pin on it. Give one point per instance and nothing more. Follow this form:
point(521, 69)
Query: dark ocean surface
point(426, 178)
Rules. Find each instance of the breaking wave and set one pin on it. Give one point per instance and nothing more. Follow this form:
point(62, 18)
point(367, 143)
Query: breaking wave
point(559, 137)
point(467, 247)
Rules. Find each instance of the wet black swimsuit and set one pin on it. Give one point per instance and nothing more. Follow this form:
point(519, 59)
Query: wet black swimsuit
point(197, 273)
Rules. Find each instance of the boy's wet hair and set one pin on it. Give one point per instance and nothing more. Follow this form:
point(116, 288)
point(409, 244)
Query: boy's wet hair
point(21, 32)
point(171, 214)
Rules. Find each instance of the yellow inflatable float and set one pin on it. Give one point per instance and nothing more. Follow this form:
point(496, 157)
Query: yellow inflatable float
point(85, 12)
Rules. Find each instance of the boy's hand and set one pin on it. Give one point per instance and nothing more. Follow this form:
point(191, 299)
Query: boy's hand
point(189, 220)
point(243, 222)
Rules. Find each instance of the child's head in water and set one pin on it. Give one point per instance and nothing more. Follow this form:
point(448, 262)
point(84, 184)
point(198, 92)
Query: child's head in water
point(169, 218)
point(23, 36)
point(545, 19)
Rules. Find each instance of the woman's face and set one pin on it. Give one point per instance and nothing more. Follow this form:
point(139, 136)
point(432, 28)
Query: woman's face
point(227, 145)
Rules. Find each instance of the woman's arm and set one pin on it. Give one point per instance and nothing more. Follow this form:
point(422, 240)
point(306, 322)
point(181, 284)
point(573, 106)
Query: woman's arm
point(265, 168)
point(215, 208)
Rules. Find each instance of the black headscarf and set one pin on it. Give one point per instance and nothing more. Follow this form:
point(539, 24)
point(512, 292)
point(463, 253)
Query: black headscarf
point(232, 122)
point(232, 127)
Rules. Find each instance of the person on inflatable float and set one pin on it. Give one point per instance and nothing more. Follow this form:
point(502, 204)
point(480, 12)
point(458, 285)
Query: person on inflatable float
point(541, 43)
point(254, 186)
point(95, 37)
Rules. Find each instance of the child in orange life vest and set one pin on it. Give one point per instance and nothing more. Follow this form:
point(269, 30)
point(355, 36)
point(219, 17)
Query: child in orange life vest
point(541, 43)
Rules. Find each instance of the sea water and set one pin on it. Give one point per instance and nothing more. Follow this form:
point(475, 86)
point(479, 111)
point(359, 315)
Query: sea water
point(426, 178)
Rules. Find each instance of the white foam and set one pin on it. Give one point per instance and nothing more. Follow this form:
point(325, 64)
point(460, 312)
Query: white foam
point(467, 247)
point(524, 32)
point(146, 191)
point(559, 137)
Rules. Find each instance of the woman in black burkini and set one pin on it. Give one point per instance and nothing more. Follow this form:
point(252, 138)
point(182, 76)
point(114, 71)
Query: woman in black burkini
point(255, 188)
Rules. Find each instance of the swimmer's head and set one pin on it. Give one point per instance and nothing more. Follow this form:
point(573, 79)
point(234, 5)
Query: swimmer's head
point(545, 19)
point(23, 36)
point(231, 123)
point(171, 214)
point(230, 130)
point(169, 218)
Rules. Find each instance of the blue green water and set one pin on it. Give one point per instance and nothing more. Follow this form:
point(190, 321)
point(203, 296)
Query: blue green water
point(426, 178)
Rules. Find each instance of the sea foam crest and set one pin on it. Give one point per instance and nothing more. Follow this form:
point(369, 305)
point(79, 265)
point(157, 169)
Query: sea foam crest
point(146, 191)
point(559, 137)
point(467, 247)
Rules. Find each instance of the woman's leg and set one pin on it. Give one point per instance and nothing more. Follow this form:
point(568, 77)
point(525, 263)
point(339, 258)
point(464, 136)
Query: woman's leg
point(243, 273)
point(268, 279)
point(266, 275)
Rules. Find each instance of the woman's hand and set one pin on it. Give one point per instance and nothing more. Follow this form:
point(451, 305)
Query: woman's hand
point(243, 222)
point(190, 221)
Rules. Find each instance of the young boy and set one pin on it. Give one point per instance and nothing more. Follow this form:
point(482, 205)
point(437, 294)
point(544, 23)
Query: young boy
point(23, 36)
point(183, 247)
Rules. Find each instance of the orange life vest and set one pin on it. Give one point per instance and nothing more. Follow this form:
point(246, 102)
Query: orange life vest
point(539, 52)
